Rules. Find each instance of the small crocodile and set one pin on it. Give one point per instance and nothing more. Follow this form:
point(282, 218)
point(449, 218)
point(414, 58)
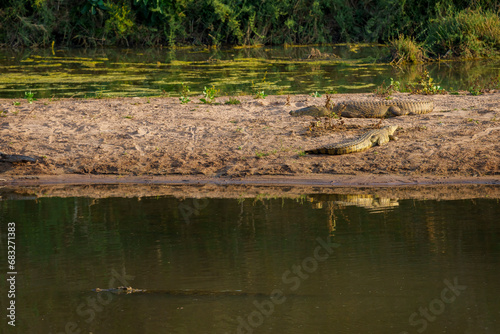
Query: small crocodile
point(368, 109)
point(371, 138)
point(129, 290)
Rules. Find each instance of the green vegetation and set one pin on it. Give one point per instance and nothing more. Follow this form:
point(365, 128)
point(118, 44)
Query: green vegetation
point(259, 154)
point(413, 27)
point(29, 96)
point(184, 94)
point(209, 94)
point(232, 100)
point(384, 90)
point(474, 90)
point(260, 95)
point(405, 49)
point(466, 34)
point(315, 94)
point(426, 85)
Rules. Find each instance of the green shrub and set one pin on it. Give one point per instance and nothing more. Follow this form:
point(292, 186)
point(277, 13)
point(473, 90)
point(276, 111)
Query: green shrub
point(467, 34)
point(406, 49)
point(119, 22)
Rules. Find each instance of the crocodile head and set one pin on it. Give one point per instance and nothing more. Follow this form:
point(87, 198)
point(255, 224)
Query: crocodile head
point(391, 129)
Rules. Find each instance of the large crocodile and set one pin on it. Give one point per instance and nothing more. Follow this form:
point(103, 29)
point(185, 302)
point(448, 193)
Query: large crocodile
point(371, 138)
point(129, 290)
point(368, 109)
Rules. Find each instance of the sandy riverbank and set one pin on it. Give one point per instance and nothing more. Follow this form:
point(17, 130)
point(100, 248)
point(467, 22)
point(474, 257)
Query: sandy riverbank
point(146, 137)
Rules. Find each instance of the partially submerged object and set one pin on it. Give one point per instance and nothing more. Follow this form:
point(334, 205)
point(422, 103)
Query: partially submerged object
point(129, 290)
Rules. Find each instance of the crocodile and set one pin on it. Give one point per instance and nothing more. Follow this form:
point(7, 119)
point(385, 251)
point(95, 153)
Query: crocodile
point(368, 109)
point(129, 290)
point(371, 138)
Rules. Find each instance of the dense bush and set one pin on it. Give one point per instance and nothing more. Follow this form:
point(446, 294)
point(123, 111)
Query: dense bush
point(466, 34)
point(441, 24)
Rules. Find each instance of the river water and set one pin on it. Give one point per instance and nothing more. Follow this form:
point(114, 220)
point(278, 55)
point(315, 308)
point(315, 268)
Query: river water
point(312, 264)
point(274, 70)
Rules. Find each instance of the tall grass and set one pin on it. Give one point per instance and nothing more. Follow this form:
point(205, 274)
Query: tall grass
point(466, 34)
point(406, 50)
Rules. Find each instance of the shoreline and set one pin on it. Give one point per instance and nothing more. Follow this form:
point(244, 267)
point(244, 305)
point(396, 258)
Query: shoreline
point(160, 140)
point(373, 193)
point(320, 180)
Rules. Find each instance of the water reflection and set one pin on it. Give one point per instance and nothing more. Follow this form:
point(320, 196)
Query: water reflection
point(125, 72)
point(391, 258)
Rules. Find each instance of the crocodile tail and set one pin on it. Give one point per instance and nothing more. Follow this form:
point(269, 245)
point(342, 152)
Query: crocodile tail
point(334, 150)
point(321, 150)
point(412, 108)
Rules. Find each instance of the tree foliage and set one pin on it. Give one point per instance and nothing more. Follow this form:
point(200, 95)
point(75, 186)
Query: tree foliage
point(223, 22)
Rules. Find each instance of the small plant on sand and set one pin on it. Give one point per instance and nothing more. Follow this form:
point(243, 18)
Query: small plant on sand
point(474, 90)
point(384, 90)
point(257, 90)
point(209, 94)
point(100, 93)
point(29, 96)
point(264, 154)
point(260, 95)
point(184, 94)
point(232, 100)
point(16, 103)
point(425, 85)
point(315, 94)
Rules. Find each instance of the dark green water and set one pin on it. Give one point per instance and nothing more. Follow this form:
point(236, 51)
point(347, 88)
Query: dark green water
point(365, 266)
point(276, 70)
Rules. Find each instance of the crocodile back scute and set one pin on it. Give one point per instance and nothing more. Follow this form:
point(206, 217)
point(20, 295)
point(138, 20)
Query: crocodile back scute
point(382, 109)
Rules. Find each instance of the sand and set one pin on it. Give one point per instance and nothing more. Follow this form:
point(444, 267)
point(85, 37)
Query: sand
point(140, 139)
